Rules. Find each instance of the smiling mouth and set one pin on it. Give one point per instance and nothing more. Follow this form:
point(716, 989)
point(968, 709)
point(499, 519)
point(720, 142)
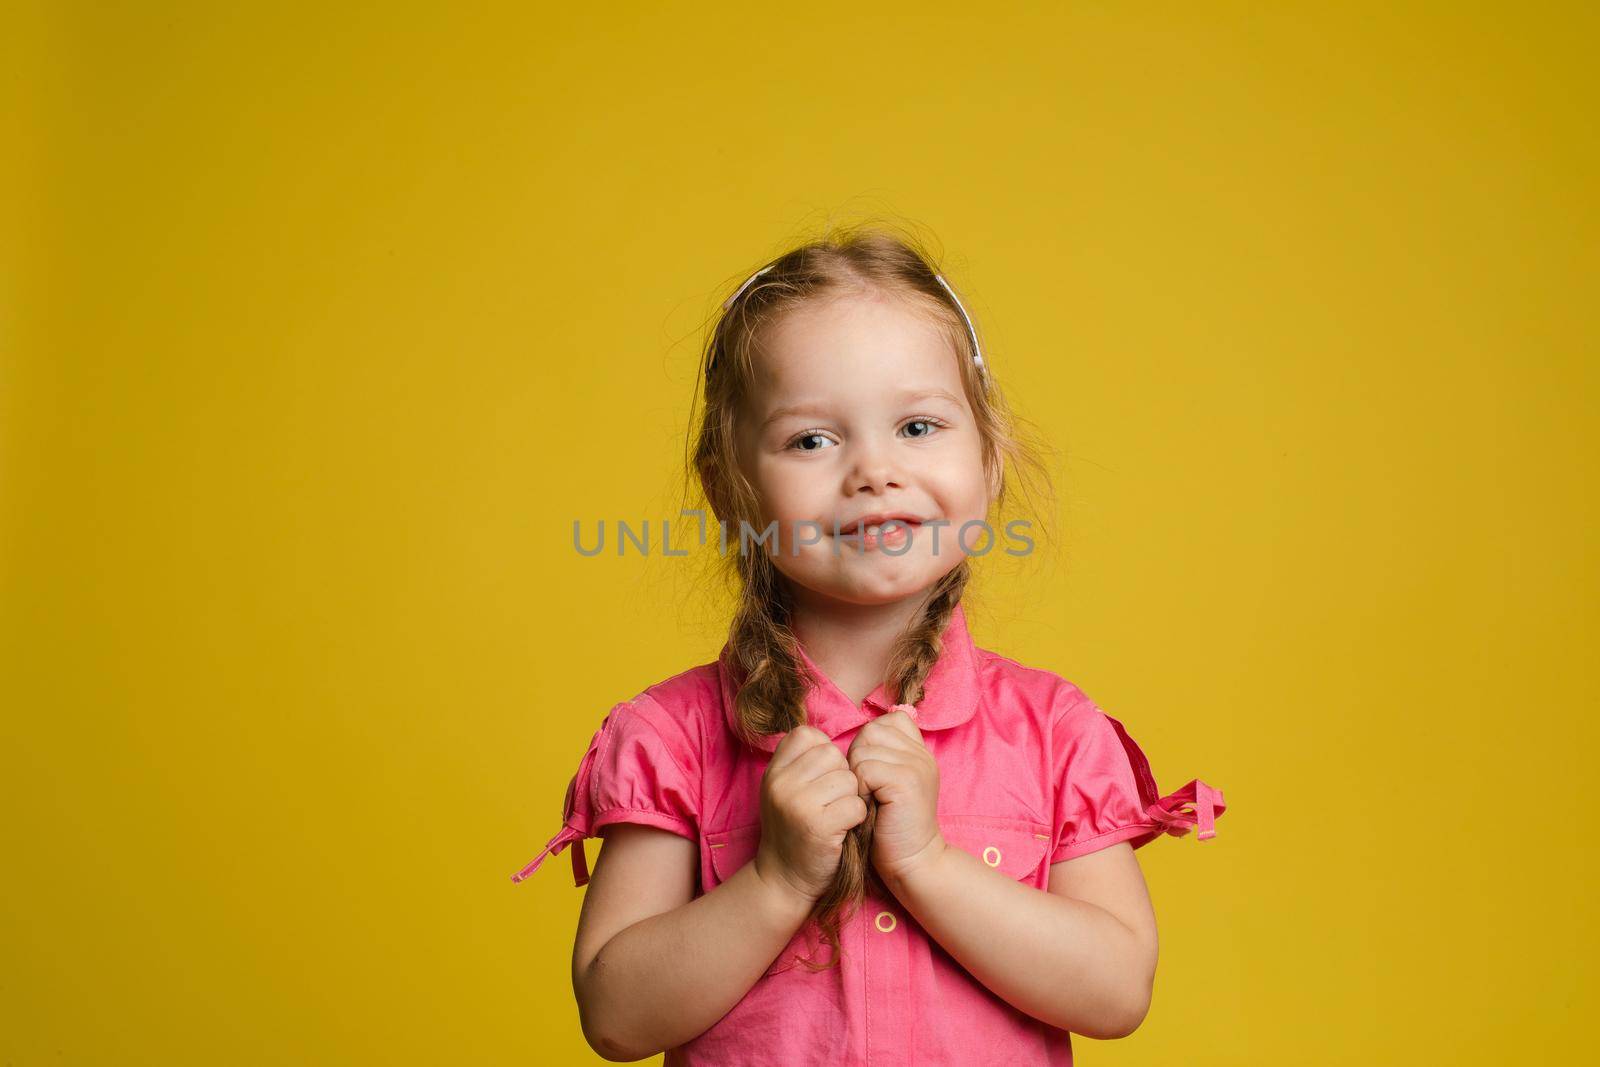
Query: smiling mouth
point(860, 526)
point(874, 531)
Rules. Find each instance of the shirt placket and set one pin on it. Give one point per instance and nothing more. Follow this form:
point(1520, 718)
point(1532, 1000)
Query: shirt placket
point(886, 959)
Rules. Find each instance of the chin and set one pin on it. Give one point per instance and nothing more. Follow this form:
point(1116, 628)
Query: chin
point(871, 593)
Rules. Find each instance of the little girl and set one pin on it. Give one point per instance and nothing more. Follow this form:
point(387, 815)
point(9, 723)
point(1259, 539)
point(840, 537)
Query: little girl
point(857, 837)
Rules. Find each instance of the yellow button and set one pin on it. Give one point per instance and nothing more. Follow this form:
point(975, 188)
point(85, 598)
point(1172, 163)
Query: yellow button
point(893, 922)
point(991, 860)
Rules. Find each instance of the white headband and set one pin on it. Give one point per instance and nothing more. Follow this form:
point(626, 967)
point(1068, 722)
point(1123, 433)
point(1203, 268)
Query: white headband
point(977, 352)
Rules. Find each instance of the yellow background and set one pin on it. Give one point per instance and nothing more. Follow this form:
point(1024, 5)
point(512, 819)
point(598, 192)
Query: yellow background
point(322, 324)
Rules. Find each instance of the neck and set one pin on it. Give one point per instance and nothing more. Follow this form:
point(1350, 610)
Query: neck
point(852, 643)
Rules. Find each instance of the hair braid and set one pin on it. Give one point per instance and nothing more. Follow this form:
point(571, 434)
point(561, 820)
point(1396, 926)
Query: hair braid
point(772, 695)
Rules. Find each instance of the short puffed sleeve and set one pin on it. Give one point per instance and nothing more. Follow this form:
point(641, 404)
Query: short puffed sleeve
point(640, 767)
point(1105, 792)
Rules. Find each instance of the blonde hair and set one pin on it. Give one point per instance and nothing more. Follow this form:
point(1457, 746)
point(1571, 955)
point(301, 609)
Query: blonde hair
point(772, 687)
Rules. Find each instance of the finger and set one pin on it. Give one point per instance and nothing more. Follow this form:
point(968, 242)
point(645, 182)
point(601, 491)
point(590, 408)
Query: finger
point(815, 762)
point(902, 723)
point(876, 774)
point(888, 736)
point(796, 743)
point(839, 782)
point(885, 753)
point(844, 813)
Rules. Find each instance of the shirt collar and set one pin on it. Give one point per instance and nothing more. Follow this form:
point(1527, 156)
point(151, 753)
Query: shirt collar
point(949, 693)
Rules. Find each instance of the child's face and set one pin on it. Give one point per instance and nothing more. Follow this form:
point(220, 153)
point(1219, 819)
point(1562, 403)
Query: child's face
point(884, 428)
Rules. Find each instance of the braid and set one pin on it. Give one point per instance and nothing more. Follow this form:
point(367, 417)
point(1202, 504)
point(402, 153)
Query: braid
point(918, 649)
point(771, 697)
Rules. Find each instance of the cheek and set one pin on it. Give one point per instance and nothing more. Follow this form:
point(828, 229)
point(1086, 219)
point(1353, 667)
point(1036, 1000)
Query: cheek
point(962, 488)
point(785, 495)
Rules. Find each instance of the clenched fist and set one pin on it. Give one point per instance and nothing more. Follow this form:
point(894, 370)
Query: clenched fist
point(896, 768)
point(810, 798)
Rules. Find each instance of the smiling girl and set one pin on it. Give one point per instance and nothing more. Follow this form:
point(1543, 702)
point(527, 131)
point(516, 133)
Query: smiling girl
point(857, 837)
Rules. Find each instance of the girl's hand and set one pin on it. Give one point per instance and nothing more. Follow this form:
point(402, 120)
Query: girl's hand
point(809, 800)
point(894, 766)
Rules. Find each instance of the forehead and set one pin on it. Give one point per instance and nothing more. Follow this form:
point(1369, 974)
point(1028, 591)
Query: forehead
point(855, 343)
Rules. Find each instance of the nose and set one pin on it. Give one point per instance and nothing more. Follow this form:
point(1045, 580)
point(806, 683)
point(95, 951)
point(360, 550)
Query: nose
point(873, 470)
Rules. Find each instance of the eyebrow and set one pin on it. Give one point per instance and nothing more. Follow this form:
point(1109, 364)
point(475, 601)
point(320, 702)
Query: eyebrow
point(905, 397)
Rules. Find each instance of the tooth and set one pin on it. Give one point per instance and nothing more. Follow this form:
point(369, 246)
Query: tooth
point(873, 529)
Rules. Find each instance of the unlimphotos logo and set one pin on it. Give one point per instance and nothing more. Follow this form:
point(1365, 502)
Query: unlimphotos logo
point(893, 537)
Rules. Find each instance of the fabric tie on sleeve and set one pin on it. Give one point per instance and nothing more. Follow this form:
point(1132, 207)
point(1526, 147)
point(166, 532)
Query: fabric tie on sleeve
point(575, 815)
point(568, 835)
point(1196, 804)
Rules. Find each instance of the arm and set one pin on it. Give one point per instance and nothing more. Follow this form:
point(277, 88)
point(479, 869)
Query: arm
point(642, 931)
point(642, 934)
point(1081, 957)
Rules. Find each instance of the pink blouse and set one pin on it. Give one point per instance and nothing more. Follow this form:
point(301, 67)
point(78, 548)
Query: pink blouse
point(1031, 772)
